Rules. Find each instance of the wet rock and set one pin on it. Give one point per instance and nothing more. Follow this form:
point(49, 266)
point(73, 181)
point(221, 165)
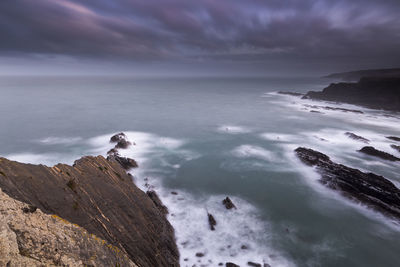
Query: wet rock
point(113, 152)
point(199, 254)
point(153, 196)
point(369, 189)
point(220, 264)
point(211, 221)
point(230, 264)
point(117, 137)
point(126, 163)
point(228, 203)
point(174, 193)
point(290, 93)
point(369, 150)
point(394, 138)
point(244, 247)
point(396, 148)
point(333, 108)
point(123, 144)
point(250, 263)
point(316, 111)
point(357, 137)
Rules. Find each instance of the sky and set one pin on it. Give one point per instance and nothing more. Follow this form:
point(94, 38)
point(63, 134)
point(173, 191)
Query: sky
point(198, 37)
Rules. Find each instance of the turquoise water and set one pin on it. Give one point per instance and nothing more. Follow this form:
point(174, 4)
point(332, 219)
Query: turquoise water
point(208, 138)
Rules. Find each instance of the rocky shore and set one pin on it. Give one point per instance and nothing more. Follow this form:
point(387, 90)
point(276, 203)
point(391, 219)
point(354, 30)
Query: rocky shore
point(94, 215)
point(373, 92)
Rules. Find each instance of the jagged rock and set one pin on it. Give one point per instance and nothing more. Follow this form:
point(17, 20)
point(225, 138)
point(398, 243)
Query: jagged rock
point(102, 199)
point(244, 247)
point(370, 189)
point(123, 144)
point(228, 203)
point(38, 239)
point(117, 137)
point(126, 163)
point(230, 264)
point(394, 138)
point(250, 263)
point(369, 150)
point(211, 221)
point(357, 137)
point(153, 195)
point(396, 148)
point(290, 93)
point(199, 254)
point(113, 152)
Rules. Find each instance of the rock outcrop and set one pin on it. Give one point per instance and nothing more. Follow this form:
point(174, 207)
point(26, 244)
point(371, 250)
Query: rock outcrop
point(393, 138)
point(28, 237)
point(371, 151)
point(357, 137)
point(372, 92)
point(99, 196)
point(357, 75)
point(369, 189)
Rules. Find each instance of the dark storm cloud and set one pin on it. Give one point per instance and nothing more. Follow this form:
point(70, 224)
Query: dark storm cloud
point(202, 29)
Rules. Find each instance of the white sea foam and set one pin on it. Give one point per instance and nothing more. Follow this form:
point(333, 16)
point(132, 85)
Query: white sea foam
point(233, 129)
point(280, 137)
point(250, 151)
point(48, 159)
point(59, 140)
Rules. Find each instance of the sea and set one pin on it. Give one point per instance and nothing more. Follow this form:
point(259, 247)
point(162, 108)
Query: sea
point(198, 140)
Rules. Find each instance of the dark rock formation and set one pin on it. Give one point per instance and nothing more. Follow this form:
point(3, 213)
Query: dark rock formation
point(369, 189)
point(153, 195)
point(117, 137)
point(211, 221)
point(250, 263)
point(372, 92)
point(99, 196)
point(369, 150)
point(334, 108)
point(126, 163)
point(393, 138)
point(228, 203)
point(123, 144)
point(396, 148)
point(230, 264)
point(357, 137)
point(290, 93)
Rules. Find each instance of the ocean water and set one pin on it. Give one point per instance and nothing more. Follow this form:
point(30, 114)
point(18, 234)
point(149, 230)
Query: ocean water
point(208, 138)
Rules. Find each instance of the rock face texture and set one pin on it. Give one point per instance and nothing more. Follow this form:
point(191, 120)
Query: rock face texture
point(372, 92)
point(369, 150)
point(370, 189)
point(28, 237)
point(100, 197)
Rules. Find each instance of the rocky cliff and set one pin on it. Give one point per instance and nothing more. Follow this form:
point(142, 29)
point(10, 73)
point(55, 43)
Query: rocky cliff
point(372, 92)
point(97, 195)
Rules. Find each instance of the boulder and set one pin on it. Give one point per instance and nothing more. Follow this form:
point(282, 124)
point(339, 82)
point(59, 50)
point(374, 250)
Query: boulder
point(212, 222)
point(393, 138)
point(126, 163)
point(228, 203)
point(123, 144)
point(230, 264)
point(250, 263)
point(117, 137)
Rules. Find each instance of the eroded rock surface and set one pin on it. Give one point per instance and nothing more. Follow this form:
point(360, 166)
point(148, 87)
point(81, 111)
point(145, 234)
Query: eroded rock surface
point(99, 196)
point(28, 237)
point(370, 189)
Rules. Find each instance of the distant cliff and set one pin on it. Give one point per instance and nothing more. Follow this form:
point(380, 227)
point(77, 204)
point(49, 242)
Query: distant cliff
point(97, 195)
point(372, 92)
point(357, 75)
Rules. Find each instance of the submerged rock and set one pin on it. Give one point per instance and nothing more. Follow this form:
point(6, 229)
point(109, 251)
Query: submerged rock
point(230, 264)
point(228, 203)
point(357, 137)
point(396, 148)
point(212, 222)
point(369, 150)
point(250, 263)
point(369, 189)
point(394, 138)
point(290, 93)
point(333, 108)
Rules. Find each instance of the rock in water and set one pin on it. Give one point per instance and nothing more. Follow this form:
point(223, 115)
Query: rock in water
point(394, 138)
point(123, 144)
point(228, 203)
point(290, 93)
point(211, 221)
point(370, 189)
point(357, 137)
point(230, 264)
point(250, 263)
point(396, 148)
point(126, 163)
point(98, 195)
point(117, 137)
point(369, 150)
